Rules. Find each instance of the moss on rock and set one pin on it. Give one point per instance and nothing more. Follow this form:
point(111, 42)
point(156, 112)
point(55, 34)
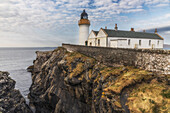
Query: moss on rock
point(71, 77)
point(132, 76)
point(146, 97)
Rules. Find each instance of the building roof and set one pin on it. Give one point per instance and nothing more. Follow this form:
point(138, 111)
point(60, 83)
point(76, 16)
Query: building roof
point(131, 34)
point(96, 32)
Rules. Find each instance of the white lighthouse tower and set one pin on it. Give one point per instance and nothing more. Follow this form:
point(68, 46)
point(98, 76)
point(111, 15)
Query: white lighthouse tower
point(84, 24)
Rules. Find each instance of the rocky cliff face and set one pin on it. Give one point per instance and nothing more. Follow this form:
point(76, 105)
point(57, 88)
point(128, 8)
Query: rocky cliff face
point(65, 82)
point(11, 101)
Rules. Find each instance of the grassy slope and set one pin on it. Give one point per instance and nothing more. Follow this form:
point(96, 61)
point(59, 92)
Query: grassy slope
point(153, 97)
point(150, 97)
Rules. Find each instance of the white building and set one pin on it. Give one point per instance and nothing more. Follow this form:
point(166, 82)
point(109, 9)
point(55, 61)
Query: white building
point(117, 38)
point(125, 39)
point(84, 24)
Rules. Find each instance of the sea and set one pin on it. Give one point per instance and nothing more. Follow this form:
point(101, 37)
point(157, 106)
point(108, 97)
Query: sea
point(16, 61)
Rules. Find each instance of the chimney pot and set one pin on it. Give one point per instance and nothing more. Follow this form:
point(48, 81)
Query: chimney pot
point(132, 29)
point(156, 30)
point(116, 28)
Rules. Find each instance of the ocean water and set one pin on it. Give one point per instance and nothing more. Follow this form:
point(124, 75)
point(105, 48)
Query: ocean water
point(167, 48)
point(16, 61)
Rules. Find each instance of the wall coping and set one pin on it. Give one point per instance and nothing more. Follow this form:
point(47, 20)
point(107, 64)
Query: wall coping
point(157, 51)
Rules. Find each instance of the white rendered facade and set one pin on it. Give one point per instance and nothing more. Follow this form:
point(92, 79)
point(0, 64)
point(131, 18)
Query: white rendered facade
point(83, 33)
point(93, 40)
point(102, 40)
point(135, 43)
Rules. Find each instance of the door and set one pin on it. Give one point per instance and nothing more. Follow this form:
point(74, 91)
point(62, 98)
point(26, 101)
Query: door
point(153, 46)
point(113, 43)
point(136, 46)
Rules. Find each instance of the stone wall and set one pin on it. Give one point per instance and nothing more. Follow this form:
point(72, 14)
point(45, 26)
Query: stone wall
point(151, 60)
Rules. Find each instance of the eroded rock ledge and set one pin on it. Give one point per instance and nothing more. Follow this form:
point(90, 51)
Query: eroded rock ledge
point(11, 100)
point(64, 82)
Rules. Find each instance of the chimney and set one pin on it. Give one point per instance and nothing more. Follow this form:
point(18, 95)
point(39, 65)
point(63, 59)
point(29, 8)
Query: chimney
point(105, 27)
point(156, 30)
point(144, 31)
point(116, 28)
point(132, 29)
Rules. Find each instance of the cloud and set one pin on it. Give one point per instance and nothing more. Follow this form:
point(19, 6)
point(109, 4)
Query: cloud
point(154, 2)
point(49, 14)
point(36, 19)
point(164, 31)
point(159, 22)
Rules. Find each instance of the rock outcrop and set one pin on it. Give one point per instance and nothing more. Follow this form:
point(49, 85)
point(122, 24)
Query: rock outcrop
point(11, 100)
point(70, 82)
point(30, 68)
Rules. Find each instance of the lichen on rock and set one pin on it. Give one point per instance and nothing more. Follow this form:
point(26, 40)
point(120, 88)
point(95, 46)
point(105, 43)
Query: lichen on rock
point(130, 77)
point(70, 82)
point(153, 97)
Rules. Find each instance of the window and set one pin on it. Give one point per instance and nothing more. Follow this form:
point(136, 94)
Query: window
point(98, 42)
point(85, 17)
point(90, 44)
point(140, 42)
point(128, 42)
point(149, 42)
point(158, 42)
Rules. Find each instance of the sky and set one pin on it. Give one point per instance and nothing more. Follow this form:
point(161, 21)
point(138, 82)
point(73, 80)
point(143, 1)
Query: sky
point(49, 23)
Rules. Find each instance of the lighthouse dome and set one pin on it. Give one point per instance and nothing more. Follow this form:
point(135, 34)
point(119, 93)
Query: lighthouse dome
point(84, 19)
point(84, 15)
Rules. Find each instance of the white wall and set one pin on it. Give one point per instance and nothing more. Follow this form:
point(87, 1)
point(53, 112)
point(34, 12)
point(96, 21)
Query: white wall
point(102, 36)
point(83, 34)
point(123, 43)
point(92, 35)
point(92, 41)
point(102, 42)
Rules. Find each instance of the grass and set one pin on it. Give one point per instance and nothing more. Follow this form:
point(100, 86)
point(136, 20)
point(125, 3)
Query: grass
point(144, 98)
point(80, 61)
point(118, 78)
point(110, 71)
point(166, 93)
point(128, 78)
point(151, 100)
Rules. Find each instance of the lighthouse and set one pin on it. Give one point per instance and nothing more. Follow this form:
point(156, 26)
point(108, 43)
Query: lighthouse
point(84, 24)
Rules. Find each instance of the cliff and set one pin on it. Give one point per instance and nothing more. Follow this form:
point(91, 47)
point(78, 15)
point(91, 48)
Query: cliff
point(11, 100)
point(70, 82)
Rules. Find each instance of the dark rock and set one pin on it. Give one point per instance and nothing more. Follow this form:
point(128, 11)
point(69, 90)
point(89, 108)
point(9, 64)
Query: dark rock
point(54, 91)
point(11, 100)
point(30, 68)
point(64, 82)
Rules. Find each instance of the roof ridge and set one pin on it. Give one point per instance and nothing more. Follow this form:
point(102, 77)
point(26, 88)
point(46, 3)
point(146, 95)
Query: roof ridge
point(129, 31)
point(131, 34)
